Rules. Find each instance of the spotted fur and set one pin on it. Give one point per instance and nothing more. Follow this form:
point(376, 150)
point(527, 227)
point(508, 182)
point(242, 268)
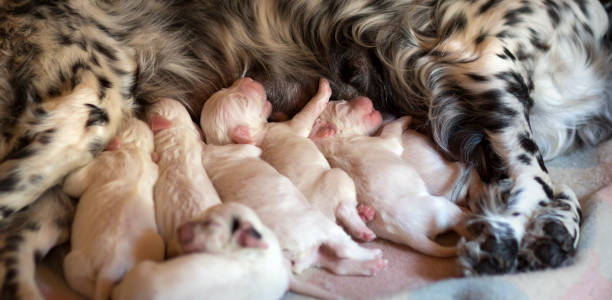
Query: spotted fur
point(24, 241)
point(490, 81)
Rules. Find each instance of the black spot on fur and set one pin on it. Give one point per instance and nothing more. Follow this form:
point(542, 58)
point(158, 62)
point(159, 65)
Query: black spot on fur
point(477, 77)
point(545, 187)
point(541, 163)
point(527, 143)
point(46, 136)
point(488, 5)
point(509, 54)
point(97, 116)
point(481, 37)
point(8, 184)
point(524, 159)
point(543, 203)
point(553, 12)
point(455, 24)
point(108, 52)
point(9, 291)
point(64, 40)
point(104, 84)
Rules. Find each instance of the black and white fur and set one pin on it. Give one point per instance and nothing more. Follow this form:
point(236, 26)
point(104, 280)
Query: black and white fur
point(490, 81)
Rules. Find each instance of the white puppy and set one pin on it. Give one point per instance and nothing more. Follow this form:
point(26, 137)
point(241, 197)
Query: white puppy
point(405, 212)
point(183, 190)
point(114, 226)
point(239, 258)
point(440, 175)
point(240, 175)
point(286, 146)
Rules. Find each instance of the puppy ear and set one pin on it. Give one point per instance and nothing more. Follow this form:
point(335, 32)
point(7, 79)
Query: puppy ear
point(322, 129)
point(242, 135)
point(251, 238)
point(158, 123)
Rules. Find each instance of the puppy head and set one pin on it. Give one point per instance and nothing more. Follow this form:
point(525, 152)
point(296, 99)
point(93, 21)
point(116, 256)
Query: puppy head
point(134, 131)
point(347, 118)
point(235, 114)
point(224, 227)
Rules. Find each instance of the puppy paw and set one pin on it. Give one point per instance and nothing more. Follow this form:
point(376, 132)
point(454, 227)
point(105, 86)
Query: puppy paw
point(366, 212)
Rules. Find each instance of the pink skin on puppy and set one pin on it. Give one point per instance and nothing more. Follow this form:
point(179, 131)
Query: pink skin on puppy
point(239, 174)
point(114, 226)
point(286, 146)
point(183, 190)
point(405, 212)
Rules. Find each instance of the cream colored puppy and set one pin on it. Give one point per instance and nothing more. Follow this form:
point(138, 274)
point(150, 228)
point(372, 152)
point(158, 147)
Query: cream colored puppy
point(114, 226)
point(286, 146)
point(183, 189)
point(440, 175)
point(405, 211)
point(237, 258)
point(240, 175)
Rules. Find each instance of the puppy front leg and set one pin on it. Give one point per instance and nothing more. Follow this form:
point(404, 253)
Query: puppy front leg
point(303, 121)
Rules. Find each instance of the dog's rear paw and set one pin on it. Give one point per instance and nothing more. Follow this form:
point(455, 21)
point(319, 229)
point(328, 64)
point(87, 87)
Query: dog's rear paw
point(493, 248)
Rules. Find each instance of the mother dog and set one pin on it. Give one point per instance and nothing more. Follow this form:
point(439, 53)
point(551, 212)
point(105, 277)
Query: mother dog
point(499, 85)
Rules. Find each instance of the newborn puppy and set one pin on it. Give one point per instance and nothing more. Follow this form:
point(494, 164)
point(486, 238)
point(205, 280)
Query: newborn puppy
point(114, 225)
point(439, 174)
point(183, 190)
point(238, 258)
point(286, 146)
point(405, 212)
point(240, 175)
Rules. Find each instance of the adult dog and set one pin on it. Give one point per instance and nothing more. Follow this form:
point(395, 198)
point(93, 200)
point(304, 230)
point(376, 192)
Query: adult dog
point(499, 85)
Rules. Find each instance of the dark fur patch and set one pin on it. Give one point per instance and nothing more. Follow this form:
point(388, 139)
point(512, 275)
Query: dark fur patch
point(527, 143)
point(108, 52)
point(96, 146)
point(524, 158)
point(97, 116)
point(9, 183)
point(545, 187)
point(488, 5)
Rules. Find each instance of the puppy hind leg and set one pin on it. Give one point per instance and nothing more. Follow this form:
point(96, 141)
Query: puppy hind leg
point(349, 217)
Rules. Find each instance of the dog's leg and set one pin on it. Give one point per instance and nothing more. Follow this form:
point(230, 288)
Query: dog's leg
point(26, 237)
point(69, 131)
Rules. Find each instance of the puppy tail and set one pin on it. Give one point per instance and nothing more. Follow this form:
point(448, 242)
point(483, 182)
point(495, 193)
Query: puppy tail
point(308, 289)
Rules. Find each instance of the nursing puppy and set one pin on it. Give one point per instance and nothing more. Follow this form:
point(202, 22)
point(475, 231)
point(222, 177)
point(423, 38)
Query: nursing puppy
point(440, 175)
point(286, 146)
point(114, 226)
point(238, 173)
point(183, 190)
point(234, 257)
point(405, 212)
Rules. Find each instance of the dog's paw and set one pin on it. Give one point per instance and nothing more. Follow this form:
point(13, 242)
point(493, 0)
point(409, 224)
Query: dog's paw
point(493, 248)
point(552, 233)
